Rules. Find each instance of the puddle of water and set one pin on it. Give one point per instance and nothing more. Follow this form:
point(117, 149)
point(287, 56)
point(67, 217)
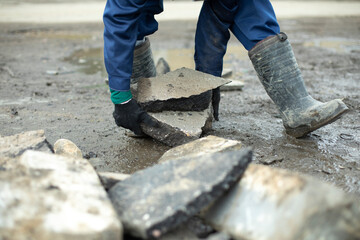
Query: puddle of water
point(337, 45)
point(90, 61)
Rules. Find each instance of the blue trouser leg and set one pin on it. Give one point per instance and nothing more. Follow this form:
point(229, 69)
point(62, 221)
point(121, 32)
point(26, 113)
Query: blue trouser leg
point(126, 21)
point(254, 21)
point(250, 21)
point(212, 35)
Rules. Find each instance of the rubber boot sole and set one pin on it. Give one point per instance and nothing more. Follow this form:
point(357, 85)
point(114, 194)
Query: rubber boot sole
point(303, 130)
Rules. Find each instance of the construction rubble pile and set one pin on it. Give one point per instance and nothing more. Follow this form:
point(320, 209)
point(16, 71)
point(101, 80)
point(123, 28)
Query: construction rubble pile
point(202, 188)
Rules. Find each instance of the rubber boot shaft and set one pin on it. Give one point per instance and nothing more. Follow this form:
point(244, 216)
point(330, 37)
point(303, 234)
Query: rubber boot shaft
point(143, 64)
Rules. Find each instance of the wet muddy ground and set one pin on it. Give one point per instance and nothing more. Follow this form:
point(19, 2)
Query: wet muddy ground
point(52, 78)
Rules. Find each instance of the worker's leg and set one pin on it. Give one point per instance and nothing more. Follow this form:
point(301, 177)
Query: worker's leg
point(121, 20)
point(212, 35)
point(256, 27)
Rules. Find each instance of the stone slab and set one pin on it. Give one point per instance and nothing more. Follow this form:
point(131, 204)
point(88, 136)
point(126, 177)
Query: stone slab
point(15, 145)
point(109, 179)
point(155, 200)
point(209, 144)
point(234, 85)
point(46, 196)
point(271, 203)
point(180, 90)
point(175, 128)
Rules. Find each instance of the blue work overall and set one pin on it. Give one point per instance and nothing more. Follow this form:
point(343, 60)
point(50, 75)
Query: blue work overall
point(127, 21)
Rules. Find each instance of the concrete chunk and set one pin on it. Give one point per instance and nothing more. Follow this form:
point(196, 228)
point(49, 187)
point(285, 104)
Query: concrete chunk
point(209, 144)
point(277, 204)
point(13, 146)
point(47, 196)
point(153, 201)
point(180, 90)
point(175, 128)
point(67, 148)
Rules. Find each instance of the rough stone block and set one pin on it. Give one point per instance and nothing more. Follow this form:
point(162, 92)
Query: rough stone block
point(67, 148)
point(209, 144)
point(277, 204)
point(180, 90)
point(155, 200)
point(15, 145)
point(175, 128)
point(46, 196)
point(109, 179)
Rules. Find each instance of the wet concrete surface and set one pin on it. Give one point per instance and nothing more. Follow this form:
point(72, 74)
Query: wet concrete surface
point(52, 78)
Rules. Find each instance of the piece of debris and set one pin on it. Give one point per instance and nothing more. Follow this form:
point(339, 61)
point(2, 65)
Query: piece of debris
point(8, 70)
point(180, 90)
point(67, 148)
point(226, 73)
point(46, 196)
point(234, 85)
point(52, 72)
point(109, 179)
point(176, 128)
point(90, 155)
point(271, 160)
point(162, 67)
point(14, 146)
point(209, 144)
point(150, 204)
point(270, 203)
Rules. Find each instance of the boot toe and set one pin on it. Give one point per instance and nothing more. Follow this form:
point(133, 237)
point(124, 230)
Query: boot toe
point(316, 117)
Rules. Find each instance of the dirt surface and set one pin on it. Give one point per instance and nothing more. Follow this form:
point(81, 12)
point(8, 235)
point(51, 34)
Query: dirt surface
point(52, 78)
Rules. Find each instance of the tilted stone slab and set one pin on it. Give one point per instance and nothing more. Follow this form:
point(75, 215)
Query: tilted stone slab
point(175, 128)
point(180, 90)
point(234, 85)
point(209, 144)
point(157, 199)
point(270, 203)
point(46, 196)
point(15, 145)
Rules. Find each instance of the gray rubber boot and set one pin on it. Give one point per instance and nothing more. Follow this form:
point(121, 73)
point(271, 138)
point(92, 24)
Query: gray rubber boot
point(276, 66)
point(143, 63)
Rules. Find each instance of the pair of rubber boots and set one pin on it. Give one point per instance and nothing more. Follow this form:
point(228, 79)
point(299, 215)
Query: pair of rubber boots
point(277, 69)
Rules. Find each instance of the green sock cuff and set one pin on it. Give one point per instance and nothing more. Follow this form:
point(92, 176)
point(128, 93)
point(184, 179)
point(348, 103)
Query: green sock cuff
point(118, 97)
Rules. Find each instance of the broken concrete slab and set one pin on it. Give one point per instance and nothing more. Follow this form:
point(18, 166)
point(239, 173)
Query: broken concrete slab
point(162, 67)
point(15, 145)
point(150, 204)
point(271, 203)
point(209, 144)
point(234, 85)
point(109, 179)
point(180, 90)
point(67, 148)
point(46, 196)
point(175, 128)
